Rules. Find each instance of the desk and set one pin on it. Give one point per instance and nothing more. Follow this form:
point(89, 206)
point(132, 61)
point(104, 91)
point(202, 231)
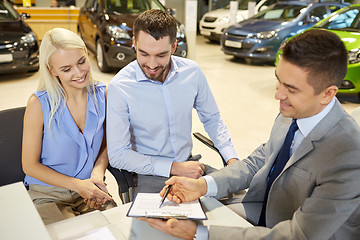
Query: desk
point(19, 217)
point(123, 227)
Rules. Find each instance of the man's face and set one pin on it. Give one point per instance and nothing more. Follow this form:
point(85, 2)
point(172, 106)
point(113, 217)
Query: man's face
point(154, 55)
point(296, 96)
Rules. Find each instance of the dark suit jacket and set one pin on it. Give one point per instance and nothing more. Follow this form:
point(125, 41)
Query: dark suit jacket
point(316, 196)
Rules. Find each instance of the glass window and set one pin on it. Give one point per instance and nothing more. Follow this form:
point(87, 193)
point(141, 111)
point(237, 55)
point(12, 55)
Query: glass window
point(7, 12)
point(89, 4)
point(318, 13)
point(280, 12)
point(343, 20)
point(132, 6)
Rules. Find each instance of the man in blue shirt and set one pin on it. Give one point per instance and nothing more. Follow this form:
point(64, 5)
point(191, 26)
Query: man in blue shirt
point(149, 110)
point(316, 192)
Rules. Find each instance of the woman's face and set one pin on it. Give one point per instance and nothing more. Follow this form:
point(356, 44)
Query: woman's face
point(72, 67)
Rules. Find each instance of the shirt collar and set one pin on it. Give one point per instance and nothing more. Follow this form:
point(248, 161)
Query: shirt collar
point(306, 125)
point(140, 76)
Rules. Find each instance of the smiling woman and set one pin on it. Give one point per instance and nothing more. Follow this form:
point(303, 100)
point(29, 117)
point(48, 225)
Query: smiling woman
point(63, 147)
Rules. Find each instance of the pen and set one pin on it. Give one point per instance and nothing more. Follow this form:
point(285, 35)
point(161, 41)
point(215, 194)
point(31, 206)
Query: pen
point(165, 194)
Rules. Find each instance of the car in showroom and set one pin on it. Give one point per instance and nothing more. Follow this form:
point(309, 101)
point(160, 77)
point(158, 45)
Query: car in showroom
point(19, 47)
point(213, 23)
point(346, 24)
point(106, 28)
point(259, 37)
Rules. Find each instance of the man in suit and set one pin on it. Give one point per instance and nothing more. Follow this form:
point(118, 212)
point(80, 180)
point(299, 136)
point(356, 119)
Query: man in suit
point(315, 194)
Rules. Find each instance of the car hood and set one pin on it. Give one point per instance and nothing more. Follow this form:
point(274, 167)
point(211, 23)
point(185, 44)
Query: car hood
point(255, 26)
point(120, 19)
point(12, 31)
point(350, 39)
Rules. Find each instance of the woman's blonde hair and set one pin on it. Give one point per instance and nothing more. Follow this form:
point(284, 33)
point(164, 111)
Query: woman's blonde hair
point(58, 38)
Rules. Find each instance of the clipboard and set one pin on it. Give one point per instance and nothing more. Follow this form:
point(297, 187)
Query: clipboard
point(147, 205)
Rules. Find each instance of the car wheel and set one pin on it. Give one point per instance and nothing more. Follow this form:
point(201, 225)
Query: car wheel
point(249, 61)
point(100, 58)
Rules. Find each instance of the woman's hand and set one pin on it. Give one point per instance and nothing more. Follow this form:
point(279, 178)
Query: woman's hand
point(92, 194)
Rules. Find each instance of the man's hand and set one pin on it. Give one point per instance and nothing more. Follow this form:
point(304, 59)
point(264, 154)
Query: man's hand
point(185, 189)
point(231, 161)
point(191, 169)
point(93, 195)
point(185, 229)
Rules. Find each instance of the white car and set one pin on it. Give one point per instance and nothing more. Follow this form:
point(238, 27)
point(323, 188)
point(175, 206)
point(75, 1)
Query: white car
point(213, 23)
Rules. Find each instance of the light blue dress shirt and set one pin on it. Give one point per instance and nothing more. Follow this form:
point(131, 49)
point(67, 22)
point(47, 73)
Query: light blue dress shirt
point(149, 123)
point(65, 149)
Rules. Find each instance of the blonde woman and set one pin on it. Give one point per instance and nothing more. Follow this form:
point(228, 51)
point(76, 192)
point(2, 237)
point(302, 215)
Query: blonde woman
point(64, 153)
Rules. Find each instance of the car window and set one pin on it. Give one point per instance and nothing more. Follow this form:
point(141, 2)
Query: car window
point(280, 12)
point(137, 6)
point(334, 8)
point(7, 12)
point(317, 13)
point(344, 20)
point(268, 3)
point(242, 5)
point(89, 3)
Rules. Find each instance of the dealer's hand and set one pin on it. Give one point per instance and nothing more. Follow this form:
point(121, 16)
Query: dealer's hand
point(185, 229)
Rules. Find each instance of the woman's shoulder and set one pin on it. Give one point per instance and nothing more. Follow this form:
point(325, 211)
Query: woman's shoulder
point(33, 101)
point(33, 107)
point(40, 94)
point(99, 87)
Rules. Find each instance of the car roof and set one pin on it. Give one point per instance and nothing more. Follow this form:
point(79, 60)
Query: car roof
point(307, 2)
point(313, 1)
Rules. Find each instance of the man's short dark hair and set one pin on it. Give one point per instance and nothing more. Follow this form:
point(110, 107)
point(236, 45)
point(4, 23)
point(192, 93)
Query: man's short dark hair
point(157, 23)
point(322, 54)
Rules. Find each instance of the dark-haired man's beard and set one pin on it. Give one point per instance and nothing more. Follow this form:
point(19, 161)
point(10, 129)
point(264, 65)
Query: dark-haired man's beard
point(157, 74)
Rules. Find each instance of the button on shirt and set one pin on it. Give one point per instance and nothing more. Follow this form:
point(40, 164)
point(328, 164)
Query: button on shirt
point(149, 123)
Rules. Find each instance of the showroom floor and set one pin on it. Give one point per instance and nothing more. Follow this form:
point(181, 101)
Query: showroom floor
point(244, 94)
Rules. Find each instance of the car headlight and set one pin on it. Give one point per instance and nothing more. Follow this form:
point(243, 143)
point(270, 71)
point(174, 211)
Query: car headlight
point(28, 40)
point(117, 32)
point(224, 20)
point(180, 33)
point(266, 35)
point(354, 56)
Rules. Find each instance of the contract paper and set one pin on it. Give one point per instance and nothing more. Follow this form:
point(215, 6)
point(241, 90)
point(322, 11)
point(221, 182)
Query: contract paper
point(147, 205)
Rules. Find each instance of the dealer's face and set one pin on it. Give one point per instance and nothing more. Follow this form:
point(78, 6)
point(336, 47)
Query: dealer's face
point(154, 55)
point(296, 96)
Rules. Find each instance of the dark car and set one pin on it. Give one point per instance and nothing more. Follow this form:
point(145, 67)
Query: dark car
point(106, 28)
point(260, 37)
point(19, 47)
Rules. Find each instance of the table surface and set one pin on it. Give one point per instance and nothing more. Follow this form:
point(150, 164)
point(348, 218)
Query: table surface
point(19, 217)
point(20, 220)
point(123, 227)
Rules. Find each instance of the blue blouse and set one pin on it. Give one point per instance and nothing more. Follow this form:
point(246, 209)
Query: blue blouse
point(65, 149)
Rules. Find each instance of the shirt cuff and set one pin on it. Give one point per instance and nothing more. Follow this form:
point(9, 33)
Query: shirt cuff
point(162, 167)
point(228, 152)
point(211, 186)
point(202, 233)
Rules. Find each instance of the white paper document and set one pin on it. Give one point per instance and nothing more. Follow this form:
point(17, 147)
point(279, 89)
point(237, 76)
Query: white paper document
point(97, 234)
point(147, 205)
